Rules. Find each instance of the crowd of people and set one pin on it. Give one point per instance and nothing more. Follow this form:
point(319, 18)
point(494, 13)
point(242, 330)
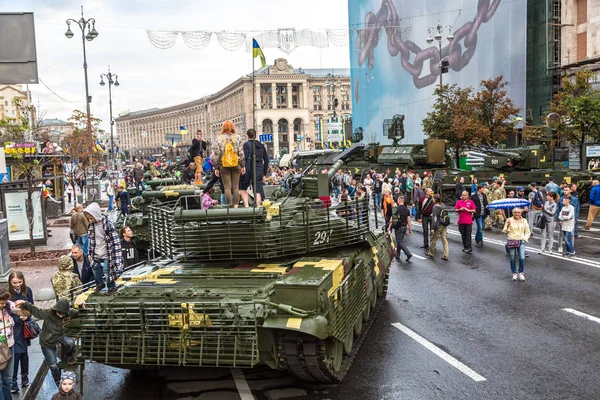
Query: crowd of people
point(401, 194)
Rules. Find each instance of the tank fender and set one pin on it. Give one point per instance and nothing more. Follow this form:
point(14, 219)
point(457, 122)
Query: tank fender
point(315, 326)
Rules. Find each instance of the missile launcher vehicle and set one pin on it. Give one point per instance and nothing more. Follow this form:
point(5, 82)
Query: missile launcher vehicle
point(294, 285)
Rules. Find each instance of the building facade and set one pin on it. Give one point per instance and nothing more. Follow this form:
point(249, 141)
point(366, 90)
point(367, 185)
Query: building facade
point(580, 25)
point(56, 129)
point(8, 93)
point(292, 107)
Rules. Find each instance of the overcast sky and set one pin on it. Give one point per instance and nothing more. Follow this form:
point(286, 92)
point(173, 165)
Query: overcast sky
point(151, 77)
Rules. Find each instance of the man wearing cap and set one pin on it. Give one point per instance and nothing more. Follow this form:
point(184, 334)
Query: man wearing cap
point(427, 181)
point(499, 194)
point(537, 204)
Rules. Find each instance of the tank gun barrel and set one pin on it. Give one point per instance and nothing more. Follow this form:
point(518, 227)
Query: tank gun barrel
point(220, 214)
point(162, 182)
point(164, 194)
point(342, 158)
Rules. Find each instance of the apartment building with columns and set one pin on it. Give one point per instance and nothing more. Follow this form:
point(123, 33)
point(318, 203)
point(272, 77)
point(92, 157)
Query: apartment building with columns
point(292, 108)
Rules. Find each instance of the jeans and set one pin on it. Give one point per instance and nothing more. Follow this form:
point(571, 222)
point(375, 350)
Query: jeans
point(441, 232)
point(548, 235)
point(465, 232)
point(400, 245)
point(7, 377)
point(23, 359)
point(101, 271)
point(378, 200)
point(479, 234)
point(139, 187)
point(513, 255)
point(51, 358)
point(426, 223)
point(83, 241)
point(531, 218)
point(568, 242)
point(110, 202)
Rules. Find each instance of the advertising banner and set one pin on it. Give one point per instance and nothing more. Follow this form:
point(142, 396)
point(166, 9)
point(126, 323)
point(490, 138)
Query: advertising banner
point(16, 213)
point(395, 68)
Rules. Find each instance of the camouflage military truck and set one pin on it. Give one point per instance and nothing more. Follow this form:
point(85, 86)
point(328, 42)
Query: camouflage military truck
point(294, 285)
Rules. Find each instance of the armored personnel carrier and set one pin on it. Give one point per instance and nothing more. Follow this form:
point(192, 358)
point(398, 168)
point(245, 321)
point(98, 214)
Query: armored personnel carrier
point(294, 285)
point(519, 166)
point(429, 156)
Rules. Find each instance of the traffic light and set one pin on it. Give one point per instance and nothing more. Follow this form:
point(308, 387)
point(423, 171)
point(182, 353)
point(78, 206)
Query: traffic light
point(445, 66)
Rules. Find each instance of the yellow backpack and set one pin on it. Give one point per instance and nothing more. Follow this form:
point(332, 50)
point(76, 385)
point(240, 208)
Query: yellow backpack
point(230, 157)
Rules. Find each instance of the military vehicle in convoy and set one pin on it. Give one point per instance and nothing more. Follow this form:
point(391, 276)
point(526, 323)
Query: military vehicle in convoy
point(519, 166)
point(429, 156)
point(294, 285)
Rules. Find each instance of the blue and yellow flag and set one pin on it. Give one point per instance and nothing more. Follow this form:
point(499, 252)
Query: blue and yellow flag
point(182, 130)
point(257, 52)
point(99, 146)
point(165, 147)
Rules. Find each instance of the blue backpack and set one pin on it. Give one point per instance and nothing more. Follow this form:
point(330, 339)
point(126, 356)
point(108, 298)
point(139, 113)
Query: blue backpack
point(538, 200)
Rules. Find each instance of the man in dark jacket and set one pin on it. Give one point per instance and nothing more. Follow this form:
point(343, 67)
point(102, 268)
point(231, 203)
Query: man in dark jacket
point(52, 333)
point(81, 264)
point(460, 187)
point(402, 225)
point(189, 174)
point(424, 209)
point(138, 177)
point(481, 203)
point(254, 148)
point(128, 247)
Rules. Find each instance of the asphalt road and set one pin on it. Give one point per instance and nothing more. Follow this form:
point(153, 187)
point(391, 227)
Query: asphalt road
point(449, 330)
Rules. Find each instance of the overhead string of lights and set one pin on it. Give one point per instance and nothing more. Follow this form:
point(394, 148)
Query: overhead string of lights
point(287, 40)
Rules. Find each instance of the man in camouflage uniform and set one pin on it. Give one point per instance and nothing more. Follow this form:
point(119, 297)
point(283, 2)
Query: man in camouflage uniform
point(65, 279)
point(488, 194)
point(499, 194)
point(427, 181)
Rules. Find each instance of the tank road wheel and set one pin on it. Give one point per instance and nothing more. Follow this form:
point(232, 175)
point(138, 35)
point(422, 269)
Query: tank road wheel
point(334, 353)
point(348, 342)
point(359, 324)
point(367, 312)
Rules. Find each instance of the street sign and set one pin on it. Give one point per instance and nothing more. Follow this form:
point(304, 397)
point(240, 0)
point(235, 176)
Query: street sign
point(335, 137)
point(266, 138)
point(592, 151)
point(333, 126)
point(173, 136)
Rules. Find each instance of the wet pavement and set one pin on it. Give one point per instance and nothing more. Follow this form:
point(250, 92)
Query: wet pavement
point(462, 330)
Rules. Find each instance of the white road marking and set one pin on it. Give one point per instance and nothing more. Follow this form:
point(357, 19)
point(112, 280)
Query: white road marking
point(419, 257)
point(440, 353)
point(241, 384)
point(584, 315)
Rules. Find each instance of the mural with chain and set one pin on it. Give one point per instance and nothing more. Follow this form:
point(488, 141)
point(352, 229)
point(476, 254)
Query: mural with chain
point(395, 70)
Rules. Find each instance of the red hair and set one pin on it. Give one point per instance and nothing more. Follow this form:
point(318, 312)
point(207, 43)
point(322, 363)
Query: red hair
point(228, 127)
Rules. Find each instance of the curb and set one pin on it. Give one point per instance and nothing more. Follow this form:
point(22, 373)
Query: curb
point(34, 263)
point(34, 388)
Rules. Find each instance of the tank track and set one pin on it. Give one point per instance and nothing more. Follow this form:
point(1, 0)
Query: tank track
point(303, 355)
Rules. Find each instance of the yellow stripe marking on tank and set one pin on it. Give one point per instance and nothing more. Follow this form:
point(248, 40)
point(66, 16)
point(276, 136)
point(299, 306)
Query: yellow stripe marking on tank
point(170, 193)
point(293, 323)
point(83, 296)
point(300, 264)
point(160, 281)
point(155, 274)
point(374, 250)
point(567, 179)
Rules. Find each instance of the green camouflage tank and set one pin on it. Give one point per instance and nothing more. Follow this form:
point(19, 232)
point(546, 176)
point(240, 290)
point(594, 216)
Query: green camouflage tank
point(294, 285)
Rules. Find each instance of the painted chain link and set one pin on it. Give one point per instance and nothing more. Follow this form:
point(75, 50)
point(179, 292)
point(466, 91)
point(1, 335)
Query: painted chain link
point(387, 18)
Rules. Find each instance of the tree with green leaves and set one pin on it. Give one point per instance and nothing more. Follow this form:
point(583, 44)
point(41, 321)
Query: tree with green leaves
point(18, 130)
point(494, 111)
point(452, 119)
point(578, 106)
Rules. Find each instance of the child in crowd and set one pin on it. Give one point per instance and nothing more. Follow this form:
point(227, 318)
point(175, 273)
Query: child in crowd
point(207, 200)
point(65, 280)
point(66, 390)
point(567, 224)
point(124, 200)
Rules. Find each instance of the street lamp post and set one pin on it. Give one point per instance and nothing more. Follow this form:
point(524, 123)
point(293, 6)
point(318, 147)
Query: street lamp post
point(91, 34)
point(109, 77)
point(438, 36)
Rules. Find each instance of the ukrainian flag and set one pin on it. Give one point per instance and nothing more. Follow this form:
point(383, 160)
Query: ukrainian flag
point(257, 52)
point(99, 146)
point(182, 130)
point(164, 147)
